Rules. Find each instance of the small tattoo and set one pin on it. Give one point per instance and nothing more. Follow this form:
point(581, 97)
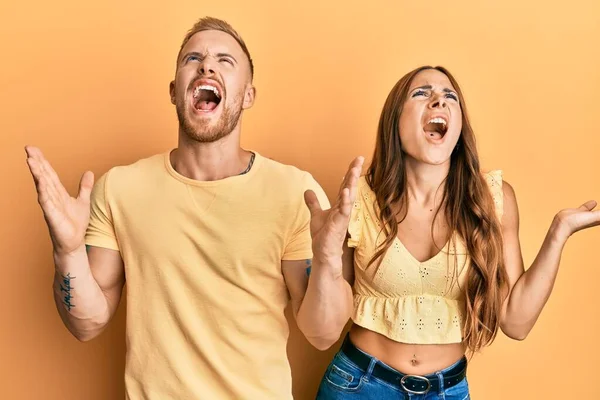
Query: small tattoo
point(66, 287)
point(309, 265)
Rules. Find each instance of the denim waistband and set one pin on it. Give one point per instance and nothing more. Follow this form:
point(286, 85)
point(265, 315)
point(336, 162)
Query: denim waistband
point(416, 384)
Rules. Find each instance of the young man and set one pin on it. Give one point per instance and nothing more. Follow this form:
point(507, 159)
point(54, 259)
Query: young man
point(212, 238)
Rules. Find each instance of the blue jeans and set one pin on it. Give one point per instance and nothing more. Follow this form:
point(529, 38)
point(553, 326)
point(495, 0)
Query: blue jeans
point(344, 380)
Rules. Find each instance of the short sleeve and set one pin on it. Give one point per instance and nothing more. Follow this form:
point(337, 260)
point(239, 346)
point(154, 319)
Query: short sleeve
point(100, 231)
point(299, 246)
point(494, 181)
point(355, 226)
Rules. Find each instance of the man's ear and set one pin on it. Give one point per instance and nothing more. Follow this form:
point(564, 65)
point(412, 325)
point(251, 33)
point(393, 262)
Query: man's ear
point(249, 96)
point(172, 91)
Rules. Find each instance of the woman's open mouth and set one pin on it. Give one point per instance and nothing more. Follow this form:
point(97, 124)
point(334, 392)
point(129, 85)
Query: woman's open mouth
point(436, 128)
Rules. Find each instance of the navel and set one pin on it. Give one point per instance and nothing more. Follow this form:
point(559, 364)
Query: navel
point(414, 361)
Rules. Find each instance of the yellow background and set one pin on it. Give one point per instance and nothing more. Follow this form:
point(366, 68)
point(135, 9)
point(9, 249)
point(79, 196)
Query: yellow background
point(88, 83)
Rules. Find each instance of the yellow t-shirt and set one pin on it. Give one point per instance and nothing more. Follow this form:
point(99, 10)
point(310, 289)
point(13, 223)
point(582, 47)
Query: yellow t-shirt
point(205, 291)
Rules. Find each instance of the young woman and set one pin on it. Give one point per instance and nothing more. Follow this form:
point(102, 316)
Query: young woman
point(432, 253)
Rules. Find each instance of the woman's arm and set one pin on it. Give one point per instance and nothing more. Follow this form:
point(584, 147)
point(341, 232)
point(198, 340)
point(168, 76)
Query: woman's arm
point(530, 290)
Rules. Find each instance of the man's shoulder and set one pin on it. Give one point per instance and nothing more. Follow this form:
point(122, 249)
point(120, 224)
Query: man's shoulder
point(121, 177)
point(142, 166)
point(289, 181)
point(287, 174)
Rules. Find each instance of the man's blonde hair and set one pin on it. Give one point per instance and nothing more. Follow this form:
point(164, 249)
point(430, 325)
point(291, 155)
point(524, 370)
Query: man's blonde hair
point(215, 24)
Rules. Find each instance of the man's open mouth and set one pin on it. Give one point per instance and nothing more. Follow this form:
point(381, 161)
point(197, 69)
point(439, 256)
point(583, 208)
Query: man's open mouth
point(206, 97)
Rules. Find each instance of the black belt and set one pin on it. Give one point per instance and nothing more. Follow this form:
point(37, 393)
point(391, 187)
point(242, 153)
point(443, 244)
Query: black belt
point(415, 384)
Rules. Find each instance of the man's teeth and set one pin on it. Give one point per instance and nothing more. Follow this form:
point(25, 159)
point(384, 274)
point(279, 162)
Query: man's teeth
point(437, 121)
point(206, 87)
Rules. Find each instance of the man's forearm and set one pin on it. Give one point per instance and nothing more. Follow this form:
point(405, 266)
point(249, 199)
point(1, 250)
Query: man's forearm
point(80, 302)
point(327, 305)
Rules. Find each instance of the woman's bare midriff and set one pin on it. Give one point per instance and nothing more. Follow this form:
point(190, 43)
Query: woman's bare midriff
point(414, 359)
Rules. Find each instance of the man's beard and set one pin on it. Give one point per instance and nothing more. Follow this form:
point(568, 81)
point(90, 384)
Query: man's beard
point(202, 131)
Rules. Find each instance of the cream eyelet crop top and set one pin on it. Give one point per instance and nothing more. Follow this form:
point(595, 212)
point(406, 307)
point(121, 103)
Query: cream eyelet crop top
point(401, 298)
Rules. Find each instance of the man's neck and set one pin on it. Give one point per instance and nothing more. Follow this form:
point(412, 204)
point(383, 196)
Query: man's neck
point(210, 161)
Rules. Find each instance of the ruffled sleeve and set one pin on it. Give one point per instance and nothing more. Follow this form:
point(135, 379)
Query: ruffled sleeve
point(494, 181)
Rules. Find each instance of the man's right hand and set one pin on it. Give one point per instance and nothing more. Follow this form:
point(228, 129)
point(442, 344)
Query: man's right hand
point(67, 217)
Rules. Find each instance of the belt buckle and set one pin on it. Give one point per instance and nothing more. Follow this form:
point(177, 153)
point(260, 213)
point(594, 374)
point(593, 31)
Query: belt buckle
point(418, 377)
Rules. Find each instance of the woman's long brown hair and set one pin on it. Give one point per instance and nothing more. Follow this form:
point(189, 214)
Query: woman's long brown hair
point(467, 205)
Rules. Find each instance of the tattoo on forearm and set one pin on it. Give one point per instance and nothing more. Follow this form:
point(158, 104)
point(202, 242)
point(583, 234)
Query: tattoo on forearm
point(66, 287)
point(308, 266)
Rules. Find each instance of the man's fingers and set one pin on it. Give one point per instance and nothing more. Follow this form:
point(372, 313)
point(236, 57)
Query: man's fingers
point(35, 170)
point(352, 174)
point(45, 170)
point(43, 196)
point(33, 152)
point(52, 177)
point(345, 205)
point(353, 183)
point(85, 186)
point(44, 190)
point(312, 202)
